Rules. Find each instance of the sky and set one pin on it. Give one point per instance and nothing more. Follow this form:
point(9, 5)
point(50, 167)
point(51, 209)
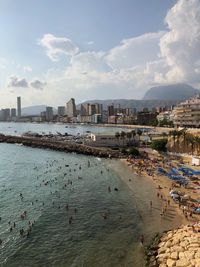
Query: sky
point(51, 51)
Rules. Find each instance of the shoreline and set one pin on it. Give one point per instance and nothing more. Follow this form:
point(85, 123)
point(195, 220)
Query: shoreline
point(162, 185)
point(166, 185)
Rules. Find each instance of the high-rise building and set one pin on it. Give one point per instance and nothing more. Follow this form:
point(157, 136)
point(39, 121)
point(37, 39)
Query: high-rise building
point(92, 109)
point(19, 108)
point(49, 113)
point(111, 111)
point(5, 114)
point(187, 114)
point(71, 108)
point(61, 111)
point(85, 109)
point(13, 112)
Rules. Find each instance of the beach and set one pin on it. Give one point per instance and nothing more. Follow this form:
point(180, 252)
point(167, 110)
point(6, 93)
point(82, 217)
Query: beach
point(148, 203)
point(159, 199)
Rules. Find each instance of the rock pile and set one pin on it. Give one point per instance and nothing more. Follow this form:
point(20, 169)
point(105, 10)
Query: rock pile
point(177, 248)
point(60, 146)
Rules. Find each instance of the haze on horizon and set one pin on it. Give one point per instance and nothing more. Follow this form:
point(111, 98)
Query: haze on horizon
point(51, 51)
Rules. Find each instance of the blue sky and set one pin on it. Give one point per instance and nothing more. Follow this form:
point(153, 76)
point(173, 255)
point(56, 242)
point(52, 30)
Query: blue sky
point(54, 50)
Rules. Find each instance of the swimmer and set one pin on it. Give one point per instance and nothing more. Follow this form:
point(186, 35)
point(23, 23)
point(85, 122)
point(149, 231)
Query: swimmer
point(142, 239)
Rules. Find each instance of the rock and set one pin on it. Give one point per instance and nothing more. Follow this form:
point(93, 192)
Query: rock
point(189, 254)
point(162, 250)
point(177, 248)
point(182, 263)
point(181, 255)
point(197, 254)
point(168, 244)
point(171, 263)
point(174, 255)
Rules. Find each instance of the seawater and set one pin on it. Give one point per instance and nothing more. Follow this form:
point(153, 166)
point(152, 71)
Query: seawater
point(48, 180)
point(13, 128)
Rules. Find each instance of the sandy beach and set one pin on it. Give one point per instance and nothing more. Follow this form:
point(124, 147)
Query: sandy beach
point(158, 211)
point(154, 201)
point(150, 206)
point(163, 186)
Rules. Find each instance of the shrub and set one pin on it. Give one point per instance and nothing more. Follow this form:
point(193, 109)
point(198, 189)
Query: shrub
point(159, 145)
point(133, 151)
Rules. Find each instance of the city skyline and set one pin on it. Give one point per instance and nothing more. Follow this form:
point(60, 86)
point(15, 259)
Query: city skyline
point(89, 50)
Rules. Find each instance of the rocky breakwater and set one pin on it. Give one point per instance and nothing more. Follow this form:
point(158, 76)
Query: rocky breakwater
point(67, 146)
point(177, 248)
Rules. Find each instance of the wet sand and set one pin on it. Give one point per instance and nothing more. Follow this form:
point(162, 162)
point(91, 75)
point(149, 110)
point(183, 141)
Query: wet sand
point(145, 189)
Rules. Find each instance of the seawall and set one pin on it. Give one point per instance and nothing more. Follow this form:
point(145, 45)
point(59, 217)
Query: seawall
point(67, 146)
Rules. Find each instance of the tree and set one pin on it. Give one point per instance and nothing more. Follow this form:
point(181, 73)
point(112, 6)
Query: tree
point(117, 135)
point(129, 136)
point(174, 134)
point(123, 135)
point(133, 133)
point(139, 132)
point(133, 151)
point(159, 145)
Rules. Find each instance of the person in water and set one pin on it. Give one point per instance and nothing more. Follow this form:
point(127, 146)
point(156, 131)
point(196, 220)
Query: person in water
point(142, 239)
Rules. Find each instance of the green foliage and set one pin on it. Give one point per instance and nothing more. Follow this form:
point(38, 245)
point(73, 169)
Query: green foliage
point(133, 151)
point(165, 123)
point(159, 145)
point(123, 150)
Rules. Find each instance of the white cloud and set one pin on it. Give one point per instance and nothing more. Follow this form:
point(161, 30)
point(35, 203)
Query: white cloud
point(135, 51)
point(56, 46)
point(27, 69)
point(128, 69)
point(17, 82)
point(37, 84)
point(180, 46)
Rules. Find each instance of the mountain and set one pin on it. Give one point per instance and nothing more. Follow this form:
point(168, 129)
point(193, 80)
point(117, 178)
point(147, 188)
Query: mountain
point(177, 92)
point(33, 110)
point(133, 103)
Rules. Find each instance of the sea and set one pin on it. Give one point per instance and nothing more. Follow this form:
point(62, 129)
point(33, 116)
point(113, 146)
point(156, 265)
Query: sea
point(79, 210)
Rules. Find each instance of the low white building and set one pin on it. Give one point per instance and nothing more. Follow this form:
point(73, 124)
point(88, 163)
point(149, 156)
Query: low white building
point(110, 140)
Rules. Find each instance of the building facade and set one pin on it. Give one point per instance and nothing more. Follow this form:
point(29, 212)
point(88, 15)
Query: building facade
point(187, 114)
point(61, 111)
point(19, 108)
point(49, 113)
point(71, 108)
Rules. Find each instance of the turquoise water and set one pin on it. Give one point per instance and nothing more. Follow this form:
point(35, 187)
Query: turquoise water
point(47, 184)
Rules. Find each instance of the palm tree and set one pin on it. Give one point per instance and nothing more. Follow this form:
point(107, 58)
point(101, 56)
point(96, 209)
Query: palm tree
point(190, 139)
point(184, 133)
point(197, 143)
point(123, 135)
point(139, 132)
point(173, 133)
point(117, 135)
point(133, 133)
point(129, 136)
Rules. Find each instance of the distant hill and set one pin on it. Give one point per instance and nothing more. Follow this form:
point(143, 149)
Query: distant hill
point(177, 92)
point(132, 103)
point(33, 110)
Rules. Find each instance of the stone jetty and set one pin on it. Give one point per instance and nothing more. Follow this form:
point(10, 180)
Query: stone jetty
point(177, 248)
point(65, 146)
